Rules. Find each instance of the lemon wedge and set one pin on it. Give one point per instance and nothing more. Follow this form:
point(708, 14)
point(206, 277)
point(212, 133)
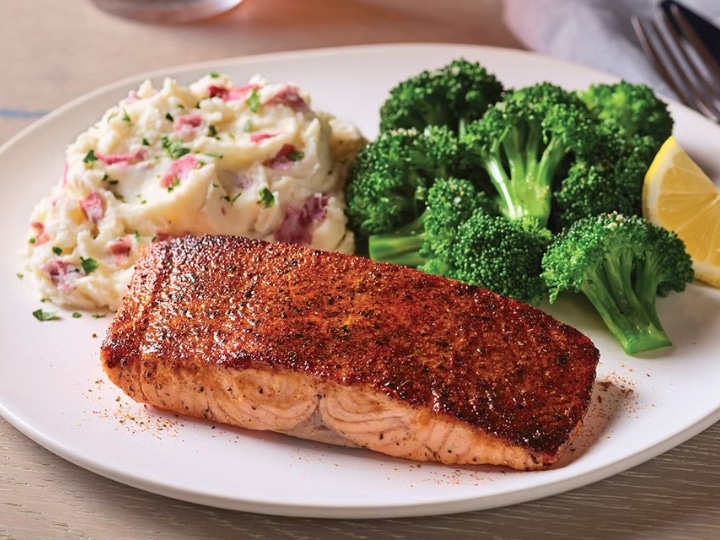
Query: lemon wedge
point(679, 195)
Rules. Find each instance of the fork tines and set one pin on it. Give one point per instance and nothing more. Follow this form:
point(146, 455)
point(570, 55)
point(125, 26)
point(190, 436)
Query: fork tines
point(670, 41)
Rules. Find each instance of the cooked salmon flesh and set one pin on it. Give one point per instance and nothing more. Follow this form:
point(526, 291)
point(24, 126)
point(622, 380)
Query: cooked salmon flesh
point(340, 349)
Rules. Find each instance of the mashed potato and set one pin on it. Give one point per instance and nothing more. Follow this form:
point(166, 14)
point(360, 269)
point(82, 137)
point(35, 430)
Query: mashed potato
point(209, 158)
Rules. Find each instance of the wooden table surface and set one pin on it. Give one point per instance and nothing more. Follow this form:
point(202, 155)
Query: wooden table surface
point(54, 51)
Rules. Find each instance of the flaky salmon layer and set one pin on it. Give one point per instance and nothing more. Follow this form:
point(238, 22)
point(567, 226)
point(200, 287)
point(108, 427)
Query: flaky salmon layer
point(340, 349)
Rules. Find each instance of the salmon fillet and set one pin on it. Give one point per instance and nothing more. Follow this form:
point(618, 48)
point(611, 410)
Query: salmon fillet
point(340, 349)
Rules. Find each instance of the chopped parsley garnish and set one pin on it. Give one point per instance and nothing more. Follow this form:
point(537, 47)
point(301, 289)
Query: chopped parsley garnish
point(267, 199)
point(57, 250)
point(296, 155)
point(32, 240)
point(253, 101)
point(20, 275)
point(126, 117)
point(42, 316)
point(248, 126)
point(99, 315)
point(89, 265)
point(113, 182)
point(212, 130)
point(174, 184)
point(90, 157)
point(118, 196)
point(76, 315)
point(145, 142)
point(235, 198)
point(214, 75)
point(174, 149)
point(169, 117)
point(214, 155)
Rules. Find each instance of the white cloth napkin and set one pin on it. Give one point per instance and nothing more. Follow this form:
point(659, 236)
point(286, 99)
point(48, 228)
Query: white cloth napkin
point(596, 33)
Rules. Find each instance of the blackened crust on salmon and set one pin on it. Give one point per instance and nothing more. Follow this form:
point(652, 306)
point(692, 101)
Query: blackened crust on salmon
point(461, 352)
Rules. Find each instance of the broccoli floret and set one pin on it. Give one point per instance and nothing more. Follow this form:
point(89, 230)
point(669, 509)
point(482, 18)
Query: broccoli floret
point(610, 180)
point(461, 236)
point(527, 142)
point(633, 110)
point(389, 178)
point(450, 96)
point(502, 255)
point(450, 204)
point(634, 124)
point(428, 239)
point(621, 264)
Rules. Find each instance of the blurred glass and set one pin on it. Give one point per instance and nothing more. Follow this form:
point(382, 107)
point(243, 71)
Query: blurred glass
point(167, 11)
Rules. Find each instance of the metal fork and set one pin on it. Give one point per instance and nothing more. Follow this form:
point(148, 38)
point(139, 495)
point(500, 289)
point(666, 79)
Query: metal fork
point(681, 58)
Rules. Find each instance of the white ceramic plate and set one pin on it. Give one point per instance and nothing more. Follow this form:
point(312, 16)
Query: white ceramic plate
point(52, 387)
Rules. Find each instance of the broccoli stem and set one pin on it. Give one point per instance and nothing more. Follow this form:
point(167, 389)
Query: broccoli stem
point(646, 287)
point(401, 246)
point(609, 289)
point(526, 190)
